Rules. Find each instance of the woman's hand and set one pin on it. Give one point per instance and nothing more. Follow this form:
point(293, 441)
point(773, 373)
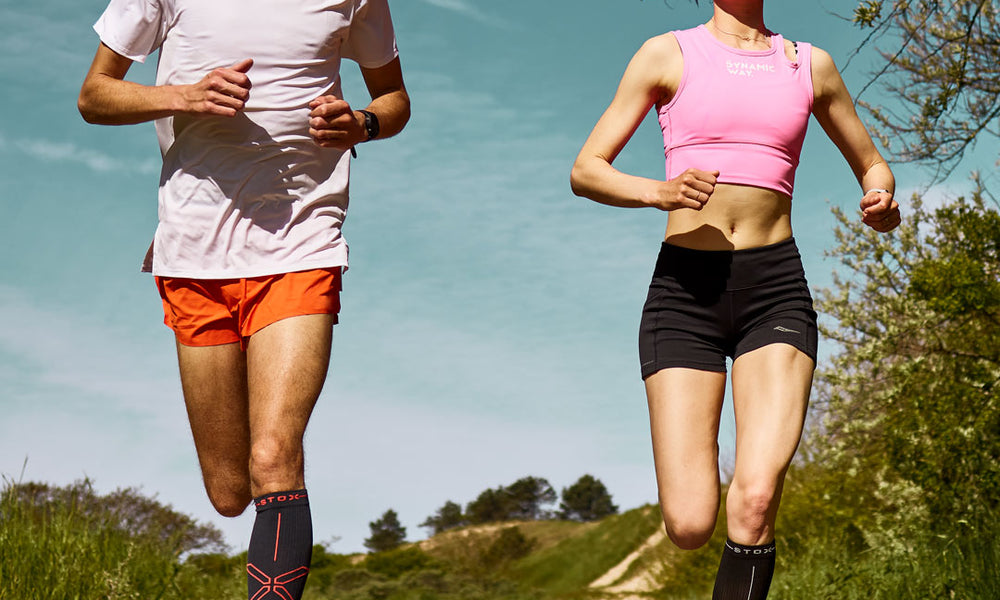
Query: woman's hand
point(690, 189)
point(879, 211)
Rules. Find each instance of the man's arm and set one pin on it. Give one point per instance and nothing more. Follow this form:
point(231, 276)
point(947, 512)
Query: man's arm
point(107, 99)
point(334, 124)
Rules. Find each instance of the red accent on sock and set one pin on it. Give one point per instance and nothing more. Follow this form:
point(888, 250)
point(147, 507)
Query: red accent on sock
point(276, 584)
point(271, 499)
point(277, 536)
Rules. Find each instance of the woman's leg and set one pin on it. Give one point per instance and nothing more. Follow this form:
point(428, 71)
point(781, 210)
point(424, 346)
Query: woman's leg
point(684, 407)
point(770, 395)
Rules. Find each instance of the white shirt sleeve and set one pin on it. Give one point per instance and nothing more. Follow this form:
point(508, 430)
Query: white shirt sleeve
point(133, 28)
point(371, 41)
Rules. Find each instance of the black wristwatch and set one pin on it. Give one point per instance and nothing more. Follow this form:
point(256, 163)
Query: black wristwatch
point(371, 124)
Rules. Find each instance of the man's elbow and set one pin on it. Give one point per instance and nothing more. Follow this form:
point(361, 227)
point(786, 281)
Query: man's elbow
point(405, 116)
point(85, 104)
point(85, 112)
point(404, 110)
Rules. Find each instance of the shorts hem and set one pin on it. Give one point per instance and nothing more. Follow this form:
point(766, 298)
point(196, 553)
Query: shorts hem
point(807, 351)
point(656, 367)
point(199, 340)
point(298, 313)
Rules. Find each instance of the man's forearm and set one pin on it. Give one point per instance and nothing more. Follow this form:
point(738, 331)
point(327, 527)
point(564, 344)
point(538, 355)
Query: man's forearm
point(105, 100)
point(392, 110)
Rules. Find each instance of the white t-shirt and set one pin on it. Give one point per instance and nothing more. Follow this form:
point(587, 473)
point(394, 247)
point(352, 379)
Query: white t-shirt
point(251, 195)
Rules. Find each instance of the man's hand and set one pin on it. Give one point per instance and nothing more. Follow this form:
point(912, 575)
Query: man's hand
point(690, 189)
point(879, 211)
point(223, 92)
point(333, 124)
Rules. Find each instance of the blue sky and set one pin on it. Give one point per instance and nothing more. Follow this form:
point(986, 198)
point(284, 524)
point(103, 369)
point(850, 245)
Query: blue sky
point(489, 317)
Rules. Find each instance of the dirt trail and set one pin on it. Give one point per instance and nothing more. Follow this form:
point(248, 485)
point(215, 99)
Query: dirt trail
point(638, 584)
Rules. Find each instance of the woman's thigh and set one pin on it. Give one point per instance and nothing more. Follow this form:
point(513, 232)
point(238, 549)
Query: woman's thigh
point(684, 408)
point(770, 396)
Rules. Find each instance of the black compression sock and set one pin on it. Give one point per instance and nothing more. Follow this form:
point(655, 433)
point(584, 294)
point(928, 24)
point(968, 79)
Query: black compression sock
point(744, 572)
point(280, 547)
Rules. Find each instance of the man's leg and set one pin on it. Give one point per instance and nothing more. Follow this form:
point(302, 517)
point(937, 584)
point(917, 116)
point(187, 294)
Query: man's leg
point(214, 380)
point(770, 396)
point(684, 407)
point(287, 364)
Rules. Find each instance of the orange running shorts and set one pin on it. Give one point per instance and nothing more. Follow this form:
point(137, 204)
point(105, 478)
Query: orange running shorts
point(210, 312)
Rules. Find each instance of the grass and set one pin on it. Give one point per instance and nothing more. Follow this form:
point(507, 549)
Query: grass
point(962, 566)
point(64, 550)
point(572, 563)
point(60, 548)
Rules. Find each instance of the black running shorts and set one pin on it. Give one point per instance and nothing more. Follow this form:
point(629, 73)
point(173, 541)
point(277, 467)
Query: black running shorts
point(705, 305)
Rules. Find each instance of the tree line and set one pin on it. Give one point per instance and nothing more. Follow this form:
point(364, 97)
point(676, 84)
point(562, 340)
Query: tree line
point(527, 499)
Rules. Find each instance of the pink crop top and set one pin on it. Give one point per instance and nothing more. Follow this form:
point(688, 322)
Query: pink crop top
point(740, 112)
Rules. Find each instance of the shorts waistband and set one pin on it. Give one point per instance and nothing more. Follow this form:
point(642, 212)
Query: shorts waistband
point(785, 245)
point(741, 268)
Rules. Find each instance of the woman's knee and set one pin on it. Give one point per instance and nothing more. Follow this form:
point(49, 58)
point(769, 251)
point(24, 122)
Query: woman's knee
point(751, 506)
point(689, 530)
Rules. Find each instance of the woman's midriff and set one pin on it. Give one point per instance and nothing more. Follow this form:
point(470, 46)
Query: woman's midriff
point(734, 218)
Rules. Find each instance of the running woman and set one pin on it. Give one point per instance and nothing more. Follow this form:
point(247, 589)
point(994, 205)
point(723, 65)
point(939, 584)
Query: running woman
point(248, 254)
point(733, 101)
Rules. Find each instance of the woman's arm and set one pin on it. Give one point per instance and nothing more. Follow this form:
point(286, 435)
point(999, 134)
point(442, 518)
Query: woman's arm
point(835, 112)
point(652, 76)
point(107, 99)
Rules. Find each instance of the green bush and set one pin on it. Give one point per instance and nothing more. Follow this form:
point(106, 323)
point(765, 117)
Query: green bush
point(394, 563)
point(71, 542)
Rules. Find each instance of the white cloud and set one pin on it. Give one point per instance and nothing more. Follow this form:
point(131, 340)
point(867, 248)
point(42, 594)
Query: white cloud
point(52, 151)
point(463, 7)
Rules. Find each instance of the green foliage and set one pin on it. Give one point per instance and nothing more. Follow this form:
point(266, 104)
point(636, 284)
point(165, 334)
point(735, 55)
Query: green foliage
point(586, 500)
point(483, 553)
point(868, 12)
point(467, 568)
point(394, 563)
point(386, 533)
point(942, 70)
point(510, 545)
point(525, 499)
point(574, 562)
point(70, 542)
point(488, 507)
point(126, 510)
point(325, 566)
point(962, 565)
point(910, 422)
point(449, 516)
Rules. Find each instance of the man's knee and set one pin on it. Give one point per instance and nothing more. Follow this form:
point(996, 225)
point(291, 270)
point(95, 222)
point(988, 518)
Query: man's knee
point(275, 462)
point(229, 501)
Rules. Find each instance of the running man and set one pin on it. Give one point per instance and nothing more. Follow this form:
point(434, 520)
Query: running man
point(733, 100)
point(248, 254)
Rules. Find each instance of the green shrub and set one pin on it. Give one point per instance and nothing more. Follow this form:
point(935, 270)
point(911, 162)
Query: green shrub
point(394, 563)
point(71, 542)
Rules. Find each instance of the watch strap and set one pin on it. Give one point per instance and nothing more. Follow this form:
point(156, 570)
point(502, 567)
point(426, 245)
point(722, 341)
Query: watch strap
point(371, 124)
